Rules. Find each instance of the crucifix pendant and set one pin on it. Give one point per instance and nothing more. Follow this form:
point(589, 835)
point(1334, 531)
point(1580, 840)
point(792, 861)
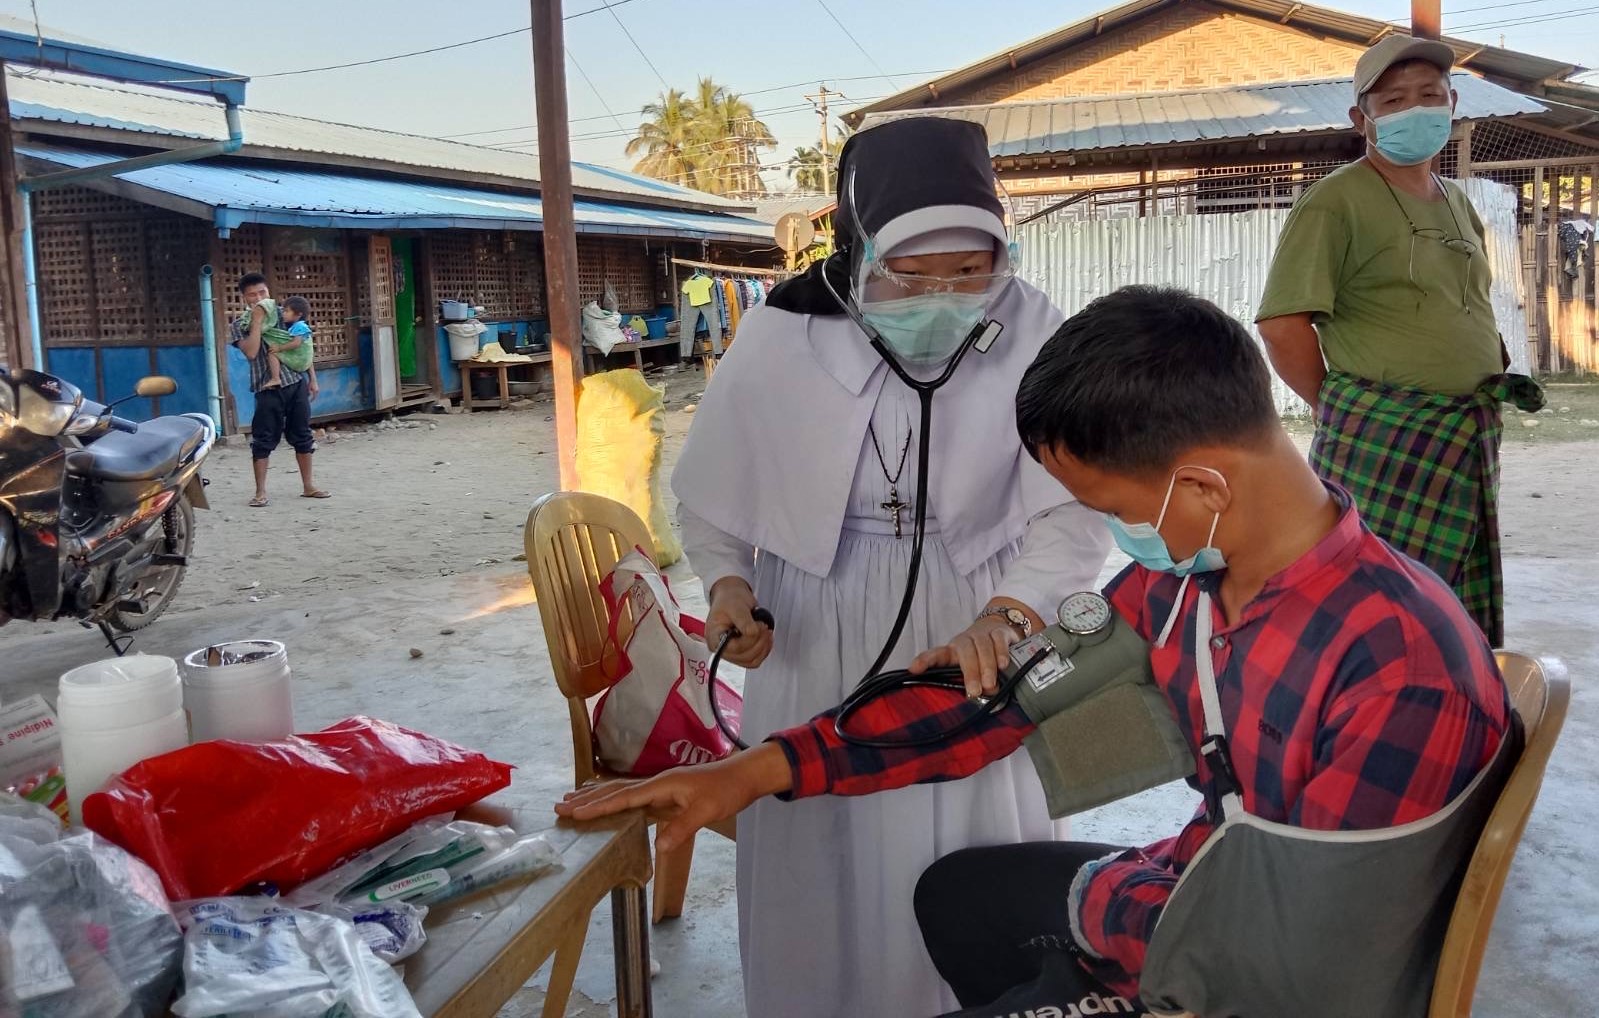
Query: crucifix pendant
point(897, 509)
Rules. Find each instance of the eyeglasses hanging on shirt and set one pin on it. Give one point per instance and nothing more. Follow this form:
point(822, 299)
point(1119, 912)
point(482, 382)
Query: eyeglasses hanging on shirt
point(1458, 243)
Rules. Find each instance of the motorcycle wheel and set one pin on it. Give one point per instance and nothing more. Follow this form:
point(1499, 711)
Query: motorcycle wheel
point(157, 585)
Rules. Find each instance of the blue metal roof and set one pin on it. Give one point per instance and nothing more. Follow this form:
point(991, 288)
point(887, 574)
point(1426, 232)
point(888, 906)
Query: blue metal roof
point(1234, 113)
point(239, 193)
point(28, 49)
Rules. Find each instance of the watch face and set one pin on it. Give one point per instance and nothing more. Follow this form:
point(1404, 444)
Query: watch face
point(1084, 614)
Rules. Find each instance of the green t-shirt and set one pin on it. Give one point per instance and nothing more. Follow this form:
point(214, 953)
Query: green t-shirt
point(1414, 315)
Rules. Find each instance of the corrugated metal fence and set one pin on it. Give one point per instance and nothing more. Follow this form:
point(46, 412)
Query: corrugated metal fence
point(1224, 258)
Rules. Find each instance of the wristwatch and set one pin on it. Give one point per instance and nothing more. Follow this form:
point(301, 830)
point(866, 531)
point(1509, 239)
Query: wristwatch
point(1015, 616)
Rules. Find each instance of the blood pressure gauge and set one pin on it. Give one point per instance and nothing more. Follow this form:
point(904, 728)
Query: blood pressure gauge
point(1085, 614)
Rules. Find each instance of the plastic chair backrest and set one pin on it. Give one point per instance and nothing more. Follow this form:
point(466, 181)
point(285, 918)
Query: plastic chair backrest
point(573, 540)
point(1540, 692)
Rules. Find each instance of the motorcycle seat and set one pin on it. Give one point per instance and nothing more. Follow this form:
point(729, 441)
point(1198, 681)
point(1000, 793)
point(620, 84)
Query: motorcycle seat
point(150, 453)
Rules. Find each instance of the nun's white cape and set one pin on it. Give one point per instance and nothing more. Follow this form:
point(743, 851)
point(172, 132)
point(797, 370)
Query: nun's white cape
point(779, 460)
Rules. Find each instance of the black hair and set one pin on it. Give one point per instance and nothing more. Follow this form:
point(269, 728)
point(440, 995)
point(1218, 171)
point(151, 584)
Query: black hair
point(299, 305)
point(1138, 376)
point(250, 279)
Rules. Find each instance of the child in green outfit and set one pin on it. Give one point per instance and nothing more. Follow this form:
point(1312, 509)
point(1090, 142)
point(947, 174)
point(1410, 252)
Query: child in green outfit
point(287, 335)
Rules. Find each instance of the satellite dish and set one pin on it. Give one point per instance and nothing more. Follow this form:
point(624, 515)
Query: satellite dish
point(795, 232)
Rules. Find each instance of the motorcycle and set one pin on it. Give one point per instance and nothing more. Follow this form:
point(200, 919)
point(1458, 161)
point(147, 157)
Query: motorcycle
point(96, 512)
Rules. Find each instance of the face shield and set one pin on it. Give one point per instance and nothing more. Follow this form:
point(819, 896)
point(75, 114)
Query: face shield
point(925, 280)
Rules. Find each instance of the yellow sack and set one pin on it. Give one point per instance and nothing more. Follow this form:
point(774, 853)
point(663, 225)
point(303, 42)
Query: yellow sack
point(619, 437)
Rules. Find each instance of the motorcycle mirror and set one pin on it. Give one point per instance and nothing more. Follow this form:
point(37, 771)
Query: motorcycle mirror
point(154, 386)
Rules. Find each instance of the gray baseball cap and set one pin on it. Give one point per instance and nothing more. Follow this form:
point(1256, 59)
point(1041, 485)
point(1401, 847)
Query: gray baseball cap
point(1396, 49)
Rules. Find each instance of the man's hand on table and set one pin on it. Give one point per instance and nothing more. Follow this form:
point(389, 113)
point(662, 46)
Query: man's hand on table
point(684, 799)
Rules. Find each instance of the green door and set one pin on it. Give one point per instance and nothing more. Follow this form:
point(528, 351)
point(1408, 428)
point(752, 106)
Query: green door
point(405, 308)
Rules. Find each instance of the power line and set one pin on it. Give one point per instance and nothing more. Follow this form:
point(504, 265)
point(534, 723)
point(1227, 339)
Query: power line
point(593, 88)
point(1530, 20)
point(741, 94)
point(646, 56)
point(604, 135)
point(1494, 7)
point(845, 29)
point(395, 56)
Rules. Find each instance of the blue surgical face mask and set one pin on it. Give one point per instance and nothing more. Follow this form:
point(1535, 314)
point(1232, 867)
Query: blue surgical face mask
point(928, 328)
point(1143, 544)
point(1413, 136)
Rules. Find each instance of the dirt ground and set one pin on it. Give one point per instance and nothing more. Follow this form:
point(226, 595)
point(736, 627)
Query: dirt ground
point(421, 537)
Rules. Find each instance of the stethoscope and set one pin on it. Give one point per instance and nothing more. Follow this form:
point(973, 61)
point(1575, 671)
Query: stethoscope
point(876, 682)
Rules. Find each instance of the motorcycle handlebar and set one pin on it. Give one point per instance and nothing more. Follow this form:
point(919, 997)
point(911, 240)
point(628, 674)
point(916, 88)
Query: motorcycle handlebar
point(123, 424)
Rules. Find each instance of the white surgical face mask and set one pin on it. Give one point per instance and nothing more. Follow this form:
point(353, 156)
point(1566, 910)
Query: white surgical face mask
point(928, 328)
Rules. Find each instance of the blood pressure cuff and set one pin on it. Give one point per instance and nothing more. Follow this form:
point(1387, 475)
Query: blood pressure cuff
point(1105, 730)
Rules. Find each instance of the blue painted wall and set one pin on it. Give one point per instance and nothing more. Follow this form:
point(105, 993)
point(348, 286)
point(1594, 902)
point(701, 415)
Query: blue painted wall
point(123, 366)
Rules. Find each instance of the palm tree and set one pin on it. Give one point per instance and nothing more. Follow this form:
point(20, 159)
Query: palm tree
point(731, 138)
point(666, 143)
point(710, 140)
point(806, 168)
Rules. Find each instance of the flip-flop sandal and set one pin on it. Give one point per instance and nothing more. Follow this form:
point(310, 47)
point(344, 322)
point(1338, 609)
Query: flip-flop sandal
point(319, 493)
point(259, 502)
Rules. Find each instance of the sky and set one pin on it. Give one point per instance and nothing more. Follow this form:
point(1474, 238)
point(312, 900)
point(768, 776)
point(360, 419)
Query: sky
point(624, 53)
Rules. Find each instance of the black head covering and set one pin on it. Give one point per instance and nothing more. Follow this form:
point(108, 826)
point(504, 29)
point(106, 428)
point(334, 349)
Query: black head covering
point(897, 167)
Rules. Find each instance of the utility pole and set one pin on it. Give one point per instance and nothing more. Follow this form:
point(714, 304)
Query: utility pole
point(820, 102)
point(560, 229)
point(1426, 19)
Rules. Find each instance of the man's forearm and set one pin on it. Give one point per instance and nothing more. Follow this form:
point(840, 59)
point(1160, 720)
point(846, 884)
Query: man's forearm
point(1294, 349)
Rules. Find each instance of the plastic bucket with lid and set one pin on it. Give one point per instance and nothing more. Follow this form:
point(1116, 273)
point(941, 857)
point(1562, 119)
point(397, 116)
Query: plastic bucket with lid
point(113, 714)
point(245, 695)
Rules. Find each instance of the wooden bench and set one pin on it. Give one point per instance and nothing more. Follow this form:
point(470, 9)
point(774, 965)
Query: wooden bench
point(593, 359)
point(504, 369)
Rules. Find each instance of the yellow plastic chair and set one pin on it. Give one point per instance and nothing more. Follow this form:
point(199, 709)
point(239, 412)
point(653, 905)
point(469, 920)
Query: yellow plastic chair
point(1540, 692)
point(573, 541)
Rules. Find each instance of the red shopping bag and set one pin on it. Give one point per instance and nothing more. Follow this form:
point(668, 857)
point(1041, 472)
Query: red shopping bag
point(658, 714)
point(218, 817)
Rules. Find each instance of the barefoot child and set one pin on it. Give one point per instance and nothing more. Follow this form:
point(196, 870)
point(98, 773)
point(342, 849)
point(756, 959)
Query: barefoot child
point(286, 333)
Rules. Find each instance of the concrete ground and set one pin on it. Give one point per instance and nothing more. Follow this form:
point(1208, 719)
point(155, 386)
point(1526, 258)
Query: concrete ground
point(420, 539)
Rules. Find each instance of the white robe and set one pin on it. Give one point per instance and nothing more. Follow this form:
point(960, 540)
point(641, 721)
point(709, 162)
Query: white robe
point(825, 885)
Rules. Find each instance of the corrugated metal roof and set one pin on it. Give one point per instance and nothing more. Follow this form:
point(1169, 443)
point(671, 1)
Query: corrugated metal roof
point(1175, 118)
point(1355, 28)
point(62, 100)
point(239, 192)
point(770, 210)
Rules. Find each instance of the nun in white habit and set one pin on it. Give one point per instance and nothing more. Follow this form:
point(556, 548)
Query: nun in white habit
point(795, 487)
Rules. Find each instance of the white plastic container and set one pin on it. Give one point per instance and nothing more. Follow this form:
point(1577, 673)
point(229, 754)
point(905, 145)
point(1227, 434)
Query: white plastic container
point(114, 714)
point(252, 701)
point(465, 339)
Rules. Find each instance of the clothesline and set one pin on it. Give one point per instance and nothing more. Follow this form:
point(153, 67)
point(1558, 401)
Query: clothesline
point(737, 270)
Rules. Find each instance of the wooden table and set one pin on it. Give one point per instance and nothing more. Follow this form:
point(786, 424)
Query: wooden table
point(482, 949)
point(503, 367)
point(597, 360)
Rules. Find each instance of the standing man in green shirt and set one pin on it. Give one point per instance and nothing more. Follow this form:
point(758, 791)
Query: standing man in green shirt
point(1376, 312)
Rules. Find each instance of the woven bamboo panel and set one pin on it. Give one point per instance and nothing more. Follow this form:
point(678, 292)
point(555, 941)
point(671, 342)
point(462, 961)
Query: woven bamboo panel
point(82, 203)
point(453, 268)
point(322, 278)
point(120, 282)
point(66, 288)
point(502, 271)
point(176, 248)
point(362, 288)
point(1195, 45)
point(241, 254)
point(624, 263)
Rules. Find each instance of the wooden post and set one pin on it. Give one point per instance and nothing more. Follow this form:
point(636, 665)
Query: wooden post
point(13, 284)
point(560, 229)
point(1426, 19)
point(1463, 152)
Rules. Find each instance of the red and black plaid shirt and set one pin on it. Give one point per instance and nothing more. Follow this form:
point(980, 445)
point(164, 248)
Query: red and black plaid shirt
point(1356, 692)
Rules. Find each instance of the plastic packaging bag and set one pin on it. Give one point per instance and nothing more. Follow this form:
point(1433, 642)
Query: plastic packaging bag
point(30, 754)
point(434, 843)
point(601, 328)
point(528, 857)
point(85, 931)
point(393, 930)
point(255, 958)
point(218, 817)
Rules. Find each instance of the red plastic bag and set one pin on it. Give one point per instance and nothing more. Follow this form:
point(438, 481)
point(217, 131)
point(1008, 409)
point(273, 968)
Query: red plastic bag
point(218, 817)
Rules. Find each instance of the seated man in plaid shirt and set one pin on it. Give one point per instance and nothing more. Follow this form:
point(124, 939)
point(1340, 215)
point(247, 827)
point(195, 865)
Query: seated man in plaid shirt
point(1357, 692)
